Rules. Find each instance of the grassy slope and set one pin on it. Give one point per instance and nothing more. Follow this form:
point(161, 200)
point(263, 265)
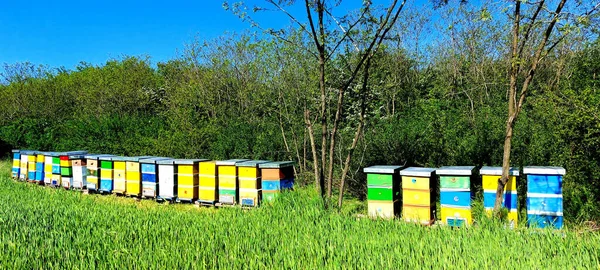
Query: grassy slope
point(45, 228)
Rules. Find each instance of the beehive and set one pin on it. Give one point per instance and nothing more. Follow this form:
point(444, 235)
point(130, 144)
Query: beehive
point(208, 182)
point(31, 165)
point(133, 177)
point(276, 176)
point(106, 174)
point(167, 184)
point(249, 179)
point(544, 196)
point(383, 191)
point(66, 167)
point(79, 171)
point(419, 195)
point(92, 171)
point(23, 171)
point(489, 180)
point(455, 194)
point(187, 179)
point(48, 164)
point(228, 177)
point(149, 170)
point(56, 177)
point(39, 168)
point(119, 174)
point(16, 165)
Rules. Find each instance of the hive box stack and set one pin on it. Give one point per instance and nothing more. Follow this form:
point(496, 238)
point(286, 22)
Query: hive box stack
point(92, 167)
point(208, 192)
point(187, 179)
point(455, 194)
point(249, 178)
point(31, 165)
point(16, 165)
point(133, 178)
point(419, 195)
point(383, 190)
point(106, 174)
point(276, 176)
point(544, 196)
point(119, 175)
point(149, 170)
point(23, 163)
point(79, 171)
point(48, 164)
point(228, 185)
point(56, 177)
point(167, 184)
point(66, 167)
point(489, 180)
point(39, 168)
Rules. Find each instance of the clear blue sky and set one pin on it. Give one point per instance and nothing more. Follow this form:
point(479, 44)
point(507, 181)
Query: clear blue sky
point(63, 33)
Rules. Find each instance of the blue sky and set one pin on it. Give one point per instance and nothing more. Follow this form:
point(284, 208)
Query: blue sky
point(63, 33)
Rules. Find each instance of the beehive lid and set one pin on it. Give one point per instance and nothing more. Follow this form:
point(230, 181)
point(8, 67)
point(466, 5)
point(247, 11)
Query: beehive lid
point(189, 161)
point(106, 157)
point(76, 156)
point(418, 171)
point(153, 160)
point(16, 150)
point(230, 162)
point(28, 152)
point(165, 161)
point(276, 165)
point(251, 163)
point(46, 153)
point(72, 153)
point(456, 170)
point(549, 170)
point(119, 158)
point(391, 169)
point(489, 170)
point(97, 156)
point(137, 158)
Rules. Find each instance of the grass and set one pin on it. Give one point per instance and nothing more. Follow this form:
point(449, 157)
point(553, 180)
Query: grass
point(48, 228)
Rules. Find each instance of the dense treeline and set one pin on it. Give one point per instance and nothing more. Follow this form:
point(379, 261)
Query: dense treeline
point(247, 97)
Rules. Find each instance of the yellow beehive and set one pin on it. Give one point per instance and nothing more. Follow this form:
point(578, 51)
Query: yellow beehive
point(119, 175)
point(249, 178)
point(133, 177)
point(418, 195)
point(187, 178)
point(489, 179)
point(208, 182)
point(228, 177)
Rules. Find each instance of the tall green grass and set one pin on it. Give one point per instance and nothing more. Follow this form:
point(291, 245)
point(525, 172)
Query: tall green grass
point(45, 228)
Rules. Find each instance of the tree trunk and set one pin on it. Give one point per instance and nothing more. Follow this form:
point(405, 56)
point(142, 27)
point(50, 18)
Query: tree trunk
point(318, 184)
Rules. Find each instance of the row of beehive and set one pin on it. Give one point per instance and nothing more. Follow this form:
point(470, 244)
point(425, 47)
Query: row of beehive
point(236, 181)
point(418, 187)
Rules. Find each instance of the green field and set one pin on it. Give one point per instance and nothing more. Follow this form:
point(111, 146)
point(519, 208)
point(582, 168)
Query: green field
point(45, 228)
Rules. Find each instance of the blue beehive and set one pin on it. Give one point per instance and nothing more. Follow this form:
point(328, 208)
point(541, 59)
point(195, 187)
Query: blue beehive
point(544, 196)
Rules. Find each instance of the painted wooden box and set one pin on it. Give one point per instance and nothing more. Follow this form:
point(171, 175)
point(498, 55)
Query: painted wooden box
point(66, 167)
point(208, 182)
point(39, 168)
point(31, 165)
point(383, 191)
point(276, 176)
point(544, 196)
point(133, 175)
point(187, 179)
point(119, 175)
point(455, 194)
point(228, 180)
point(489, 181)
point(106, 174)
point(167, 181)
point(79, 171)
point(23, 163)
point(92, 170)
point(149, 170)
point(249, 177)
point(16, 164)
point(419, 195)
point(56, 177)
point(48, 163)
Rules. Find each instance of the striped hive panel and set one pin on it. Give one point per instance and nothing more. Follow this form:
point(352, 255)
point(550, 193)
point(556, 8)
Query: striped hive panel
point(55, 165)
point(418, 200)
point(544, 200)
point(166, 181)
point(149, 179)
point(249, 197)
point(31, 167)
point(133, 178)
point(457, 217)
point(544, 204)
point(207, 194)
point(119, 174)
point(48, 170)
point(106, 175)
point(416, 197)
point(23, 171)
point(92, 174)
point(509, 200)
point(16, 164)
point(460, 182)
point(382, 209)
point(227, 196)
point(455, 198)
point(187, 181)
point(39, 169)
